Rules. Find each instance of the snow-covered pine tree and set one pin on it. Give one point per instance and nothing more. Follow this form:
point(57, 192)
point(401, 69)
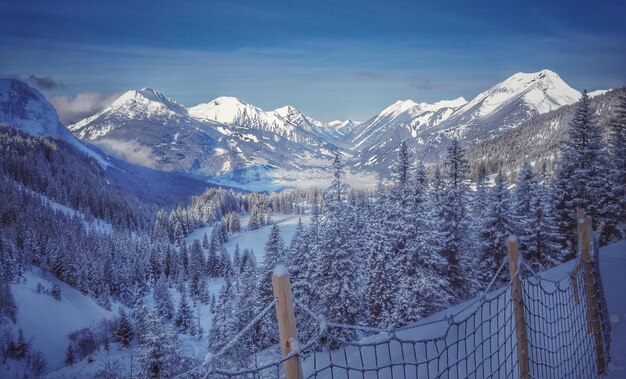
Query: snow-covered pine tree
point(162, 300)
point(302, 270)
point(456, 239)
point(274, 255)
point(69, 355)
point(184, 316)
point(380, 276)
point(223, 328)
point(497, 226)
point(160, 348)
point(124, 330)
point(481, 197)
point(140, 315)
point(581, 180)
point(336, 279)
point(237, 260)
point(213, 265)
point(205, 241)
point(535, 224)
point(226, 265)
point(422, 290)
point(540, 236)
point(615, 211)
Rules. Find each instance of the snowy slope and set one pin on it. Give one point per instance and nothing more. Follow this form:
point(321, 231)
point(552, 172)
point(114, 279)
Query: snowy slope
point(404, 116)
point(48, 322)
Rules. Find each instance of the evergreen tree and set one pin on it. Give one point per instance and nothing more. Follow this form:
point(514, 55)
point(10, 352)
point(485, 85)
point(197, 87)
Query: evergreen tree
point(540, 236)
point(124, 331)
point(69, 355)
point(160, 348)
point(274, 255)
point(453, 208)
point(162, 299)
point(380, 294)
point(205, 241)
point(335, 277)
point(581, 180)
point(481, 197)
point(498, 225)
point(184, 316)
point(615, 210)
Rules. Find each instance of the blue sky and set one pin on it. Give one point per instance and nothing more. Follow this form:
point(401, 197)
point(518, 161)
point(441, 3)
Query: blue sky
point(331, 60)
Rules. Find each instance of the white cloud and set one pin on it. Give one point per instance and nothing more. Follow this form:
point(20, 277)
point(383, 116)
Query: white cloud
point(72, 109)
point(129, 151)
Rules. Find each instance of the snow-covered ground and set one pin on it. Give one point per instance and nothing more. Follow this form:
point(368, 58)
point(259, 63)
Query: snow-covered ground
point(255, 239)
point(47, 322)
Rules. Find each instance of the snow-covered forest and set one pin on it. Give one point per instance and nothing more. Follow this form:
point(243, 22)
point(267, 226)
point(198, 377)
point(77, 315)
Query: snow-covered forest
point(160, 287)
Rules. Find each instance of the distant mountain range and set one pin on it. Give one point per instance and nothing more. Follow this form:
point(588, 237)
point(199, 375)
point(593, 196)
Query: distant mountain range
point(226, 137)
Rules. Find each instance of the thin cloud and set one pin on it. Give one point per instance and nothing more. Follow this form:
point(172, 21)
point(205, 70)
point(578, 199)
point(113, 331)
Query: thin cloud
point(44, 83)
point(72, 109)
point(424, 85)
point(370, 75)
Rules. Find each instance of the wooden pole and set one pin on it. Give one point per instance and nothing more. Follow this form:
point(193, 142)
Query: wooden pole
point(518, 308)
point(286, 321)
point(591, 288)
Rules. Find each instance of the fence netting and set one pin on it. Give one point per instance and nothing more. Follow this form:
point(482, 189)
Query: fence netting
point(566, 321)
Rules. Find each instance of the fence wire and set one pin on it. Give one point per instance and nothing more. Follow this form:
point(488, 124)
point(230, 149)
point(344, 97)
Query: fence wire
point(567, 337)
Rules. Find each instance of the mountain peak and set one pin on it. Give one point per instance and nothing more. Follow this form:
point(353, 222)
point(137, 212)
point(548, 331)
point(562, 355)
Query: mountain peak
point(148, 97)
point(227, 100)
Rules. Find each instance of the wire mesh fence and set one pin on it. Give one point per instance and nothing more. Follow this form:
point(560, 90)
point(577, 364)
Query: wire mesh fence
point(565, 321)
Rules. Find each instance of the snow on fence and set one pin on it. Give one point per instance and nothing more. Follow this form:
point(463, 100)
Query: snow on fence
point(551, 325)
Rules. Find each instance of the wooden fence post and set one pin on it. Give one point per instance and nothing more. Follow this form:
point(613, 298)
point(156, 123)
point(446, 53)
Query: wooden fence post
point(518, 308)
point(286, 321)
point(591, 288)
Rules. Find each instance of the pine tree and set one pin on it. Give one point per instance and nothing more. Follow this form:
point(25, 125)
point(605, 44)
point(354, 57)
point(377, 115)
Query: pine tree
point(274, 255)
point(380, 294)
point(453, 203)
point(140, 315)
point(421, 289)
point(615, 210)
point(335, 277)
point(539, 237)
point(213, 262)
point(581, 180)
point(124, 331)
point(184, 316)
point(481, 197)
point(69, 355)
point(162, 299)
point(205, 241)
point(498, 225)
point(160, 348)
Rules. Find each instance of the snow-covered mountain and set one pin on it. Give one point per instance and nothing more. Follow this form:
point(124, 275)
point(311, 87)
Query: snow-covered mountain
point(24, 108)
point(342, 128)
point(428, 129)
point(511, 102)
point(218, 137)
point(227, 135)
point(404, 116)
point(287, 121)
